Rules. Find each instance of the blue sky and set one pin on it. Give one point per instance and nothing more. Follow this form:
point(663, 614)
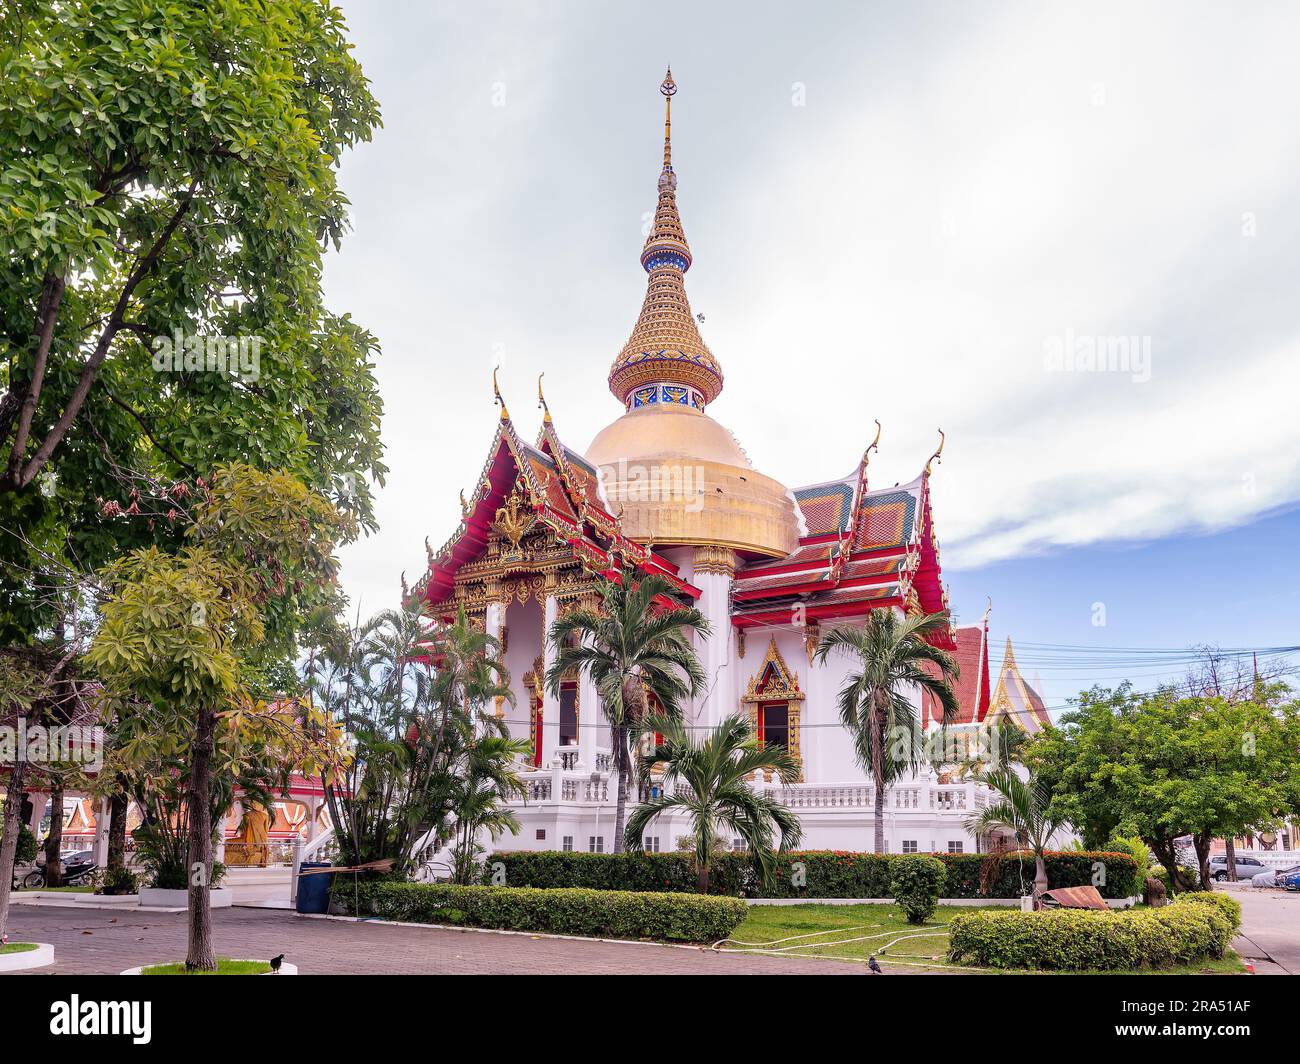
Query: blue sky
point(897, 211)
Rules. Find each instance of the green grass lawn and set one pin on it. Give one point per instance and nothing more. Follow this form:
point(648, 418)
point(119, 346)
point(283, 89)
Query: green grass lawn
point(880, 927)
point(18, 947)
point(61, 890)
point(225, 966)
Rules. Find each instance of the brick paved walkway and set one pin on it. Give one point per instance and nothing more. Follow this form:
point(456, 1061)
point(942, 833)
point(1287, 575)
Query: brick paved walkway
point(330, 946)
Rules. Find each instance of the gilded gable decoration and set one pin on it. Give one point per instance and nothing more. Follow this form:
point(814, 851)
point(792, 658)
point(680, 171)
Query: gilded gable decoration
point(774, 684)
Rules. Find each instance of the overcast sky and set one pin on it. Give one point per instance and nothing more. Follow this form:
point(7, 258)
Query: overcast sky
point(897, 211)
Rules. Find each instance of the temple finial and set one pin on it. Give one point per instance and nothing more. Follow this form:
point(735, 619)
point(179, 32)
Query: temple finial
point(496, 393)
point(935, 457)
point(668, 87)
point(875, 444)
point(541, 399)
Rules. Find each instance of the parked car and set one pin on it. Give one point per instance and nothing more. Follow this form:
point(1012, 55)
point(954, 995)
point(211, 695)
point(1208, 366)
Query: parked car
point(1247, 867)
point(1266, 878)
point(1288, 877)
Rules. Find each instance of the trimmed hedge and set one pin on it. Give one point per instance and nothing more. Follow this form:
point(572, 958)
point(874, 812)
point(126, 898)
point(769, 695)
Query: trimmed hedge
point(826, 873)
point(1229, 906)
point(1076, 940)
point(563, 911)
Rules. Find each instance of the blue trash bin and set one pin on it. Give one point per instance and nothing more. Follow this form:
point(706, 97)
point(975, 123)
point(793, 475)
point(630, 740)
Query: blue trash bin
point(314, 890)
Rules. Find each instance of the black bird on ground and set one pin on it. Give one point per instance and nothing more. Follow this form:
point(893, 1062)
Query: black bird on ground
point(276, 962)
point(871, 963)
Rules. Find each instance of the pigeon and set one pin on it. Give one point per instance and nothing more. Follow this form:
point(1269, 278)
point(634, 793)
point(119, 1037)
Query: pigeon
point(276, 961)
point(875, 968)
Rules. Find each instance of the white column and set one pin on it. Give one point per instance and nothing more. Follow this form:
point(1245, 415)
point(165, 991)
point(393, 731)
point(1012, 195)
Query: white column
point(550, 704)
point(101, 833)
point(590, 719)
point(492, 620)
point(38, 810)
point(713, 571)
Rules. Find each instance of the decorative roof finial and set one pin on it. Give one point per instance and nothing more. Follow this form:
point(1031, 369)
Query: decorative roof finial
point(496, 393)
point(541, 399)
point(875, 444)
point(668, 88)
point(935, 457)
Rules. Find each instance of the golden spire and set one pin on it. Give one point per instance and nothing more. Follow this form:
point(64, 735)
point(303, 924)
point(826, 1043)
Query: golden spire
point(541, 399)
point(496, 394)
point(935, 457)
point(665, 347)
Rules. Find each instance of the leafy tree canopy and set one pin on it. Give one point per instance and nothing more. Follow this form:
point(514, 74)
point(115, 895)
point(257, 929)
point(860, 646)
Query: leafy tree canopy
point(167, 191)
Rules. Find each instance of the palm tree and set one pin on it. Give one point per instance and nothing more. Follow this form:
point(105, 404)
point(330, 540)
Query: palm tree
point(634, 645)
point(874, 707)
point(1025, 811)
point(708, 779)
point(483, 782)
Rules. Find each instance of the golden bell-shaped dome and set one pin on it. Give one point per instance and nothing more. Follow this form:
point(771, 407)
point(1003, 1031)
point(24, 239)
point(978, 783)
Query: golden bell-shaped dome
point(678, 477)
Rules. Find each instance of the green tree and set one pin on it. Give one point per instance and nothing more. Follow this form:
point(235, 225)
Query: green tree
point(1023, 808)
point(411, 698)
point(708, 779)
point(892, 656)
point(1164, 766)
point(635, 645)
point(180, 635)
point(168, 171)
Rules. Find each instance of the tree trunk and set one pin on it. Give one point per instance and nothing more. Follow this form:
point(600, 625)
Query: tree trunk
point(9, 838)
point(878, 717)
point(199, 955)
point(118, 805)
point(1201, 843)
point(620, 808)
point(1230, 851)
point(1040, 880)
point(54, 840)
point(702, 878)
point(879, 840)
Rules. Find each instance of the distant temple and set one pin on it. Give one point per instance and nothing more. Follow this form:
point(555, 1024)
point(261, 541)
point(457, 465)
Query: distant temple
point(667, 489)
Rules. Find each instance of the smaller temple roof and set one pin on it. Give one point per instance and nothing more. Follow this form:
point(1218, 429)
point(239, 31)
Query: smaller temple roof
point(862, 549)
point(1015, 700)
point(972, 686)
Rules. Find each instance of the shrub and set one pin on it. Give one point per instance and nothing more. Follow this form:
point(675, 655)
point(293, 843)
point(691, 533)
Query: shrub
point(1229, 906)
point(1135, 848)
point(916, 883)
point(821, 873)
point(119, 881)
point(1085, 939)
point(560, 910)
point(27, 846)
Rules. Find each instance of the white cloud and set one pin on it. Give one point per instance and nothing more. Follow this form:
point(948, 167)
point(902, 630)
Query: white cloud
point(955, 193)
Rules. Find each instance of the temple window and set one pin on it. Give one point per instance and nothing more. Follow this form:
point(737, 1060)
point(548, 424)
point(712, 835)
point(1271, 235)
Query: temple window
point(774, 724)
point(909, 846)
point(569, 714)
point(774, 704)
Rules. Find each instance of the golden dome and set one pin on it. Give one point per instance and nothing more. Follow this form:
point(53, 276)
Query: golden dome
point(677, 476)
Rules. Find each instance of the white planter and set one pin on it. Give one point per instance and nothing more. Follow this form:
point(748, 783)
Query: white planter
point(123, 900)
point(39, 957)
point(285, 967)
point(159, 898)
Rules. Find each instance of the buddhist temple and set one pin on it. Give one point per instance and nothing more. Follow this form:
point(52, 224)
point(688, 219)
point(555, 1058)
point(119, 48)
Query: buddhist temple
point(665, 488)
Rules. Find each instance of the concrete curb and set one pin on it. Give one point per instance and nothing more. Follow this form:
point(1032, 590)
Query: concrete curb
point(39, 957)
